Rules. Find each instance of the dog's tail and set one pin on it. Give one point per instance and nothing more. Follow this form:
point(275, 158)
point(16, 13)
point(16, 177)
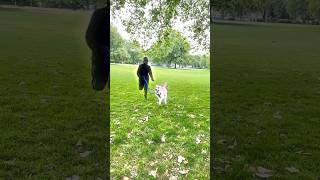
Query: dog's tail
point(165, 84)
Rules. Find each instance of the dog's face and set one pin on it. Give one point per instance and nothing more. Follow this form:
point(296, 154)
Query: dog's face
point(161, 93)
point(157, 90)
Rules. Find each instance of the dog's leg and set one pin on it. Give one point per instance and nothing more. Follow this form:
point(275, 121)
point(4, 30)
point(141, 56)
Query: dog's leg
point(165, 100)
point(159, 101)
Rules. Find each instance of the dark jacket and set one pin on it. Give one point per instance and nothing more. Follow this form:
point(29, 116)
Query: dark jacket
point(144, 71)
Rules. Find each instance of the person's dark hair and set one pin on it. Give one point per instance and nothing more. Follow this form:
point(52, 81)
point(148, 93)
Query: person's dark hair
point(145, 59)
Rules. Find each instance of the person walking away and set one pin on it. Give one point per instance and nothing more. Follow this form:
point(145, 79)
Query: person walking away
point(143, 73)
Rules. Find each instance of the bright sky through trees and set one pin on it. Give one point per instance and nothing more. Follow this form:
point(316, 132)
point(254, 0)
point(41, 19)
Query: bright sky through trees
point(146, 41)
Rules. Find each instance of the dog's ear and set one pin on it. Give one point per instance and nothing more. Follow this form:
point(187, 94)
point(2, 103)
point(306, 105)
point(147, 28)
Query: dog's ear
point(165, 85)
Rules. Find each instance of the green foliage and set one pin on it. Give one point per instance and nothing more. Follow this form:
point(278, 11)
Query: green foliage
point(135, 51)
point(161, 14)
point(268, 10)
point(297, 9)
point(314, 8)
point(171, 49)
point(122, 51)
point(71, 4)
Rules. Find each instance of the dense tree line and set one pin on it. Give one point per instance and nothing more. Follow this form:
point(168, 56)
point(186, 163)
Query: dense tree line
point(172, 50)
point(297, 11)
point(70, 4)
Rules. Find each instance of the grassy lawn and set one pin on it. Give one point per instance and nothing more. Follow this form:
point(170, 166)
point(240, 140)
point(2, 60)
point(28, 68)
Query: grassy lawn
point(148, 138)
point(266, 99)
point(49, 115)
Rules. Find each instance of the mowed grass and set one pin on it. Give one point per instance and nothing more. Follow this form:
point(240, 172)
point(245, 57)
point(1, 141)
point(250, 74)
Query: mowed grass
point(266, 100)
point(138, 125)
point(46, 102)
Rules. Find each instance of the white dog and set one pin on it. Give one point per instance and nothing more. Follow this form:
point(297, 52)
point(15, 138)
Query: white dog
point(162, 93)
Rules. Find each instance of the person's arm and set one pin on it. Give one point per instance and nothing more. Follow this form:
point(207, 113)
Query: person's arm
point(150, 74)
point(138, 71)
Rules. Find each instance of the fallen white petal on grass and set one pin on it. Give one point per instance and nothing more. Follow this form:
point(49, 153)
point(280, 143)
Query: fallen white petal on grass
point(153, 173)
point(134, 173)
point(277, 115)
point(125, 178)
point(79, 143)
point(145, 119)
point(292, 169)
point(73, 177)
point(303, 153)
point(22, 83)
point(173, 178)
point(136, 110)
point(234, 145)
point(181, 159)
point(221, 141)
point(198, 140)
point(263, 172)
point(163, 138)
point(117, 122)
point(149, 141)
point(129, 135)
point(191, 116)
point(10, 162)
point(203, 151)
point(85, 154)
point(153, 163)
point(183, 172)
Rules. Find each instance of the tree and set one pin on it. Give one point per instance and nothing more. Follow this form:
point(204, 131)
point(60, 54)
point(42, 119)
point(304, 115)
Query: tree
point(224, 6)
point(314, 9)
point(116, 41)
point(297, 9)
point(118, 51)
point(150, 18)
point(171, 49)
point(135, 51)
point(120, 55)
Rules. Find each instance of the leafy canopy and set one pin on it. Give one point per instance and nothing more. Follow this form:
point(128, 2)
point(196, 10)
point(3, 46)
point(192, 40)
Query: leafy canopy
point(151, 18)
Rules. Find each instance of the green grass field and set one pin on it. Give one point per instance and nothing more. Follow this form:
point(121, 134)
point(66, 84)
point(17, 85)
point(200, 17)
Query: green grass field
point(266, 100)
point(138, 126)
point(46, 102)
point(266, 105)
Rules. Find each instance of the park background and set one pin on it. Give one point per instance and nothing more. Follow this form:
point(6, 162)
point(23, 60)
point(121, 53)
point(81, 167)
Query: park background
point(151, 141)
point(53, 124)
point(266, 96)
point(266, 89)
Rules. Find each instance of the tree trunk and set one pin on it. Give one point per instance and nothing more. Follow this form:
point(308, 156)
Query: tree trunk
point(175, 65)
point(265, 15)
